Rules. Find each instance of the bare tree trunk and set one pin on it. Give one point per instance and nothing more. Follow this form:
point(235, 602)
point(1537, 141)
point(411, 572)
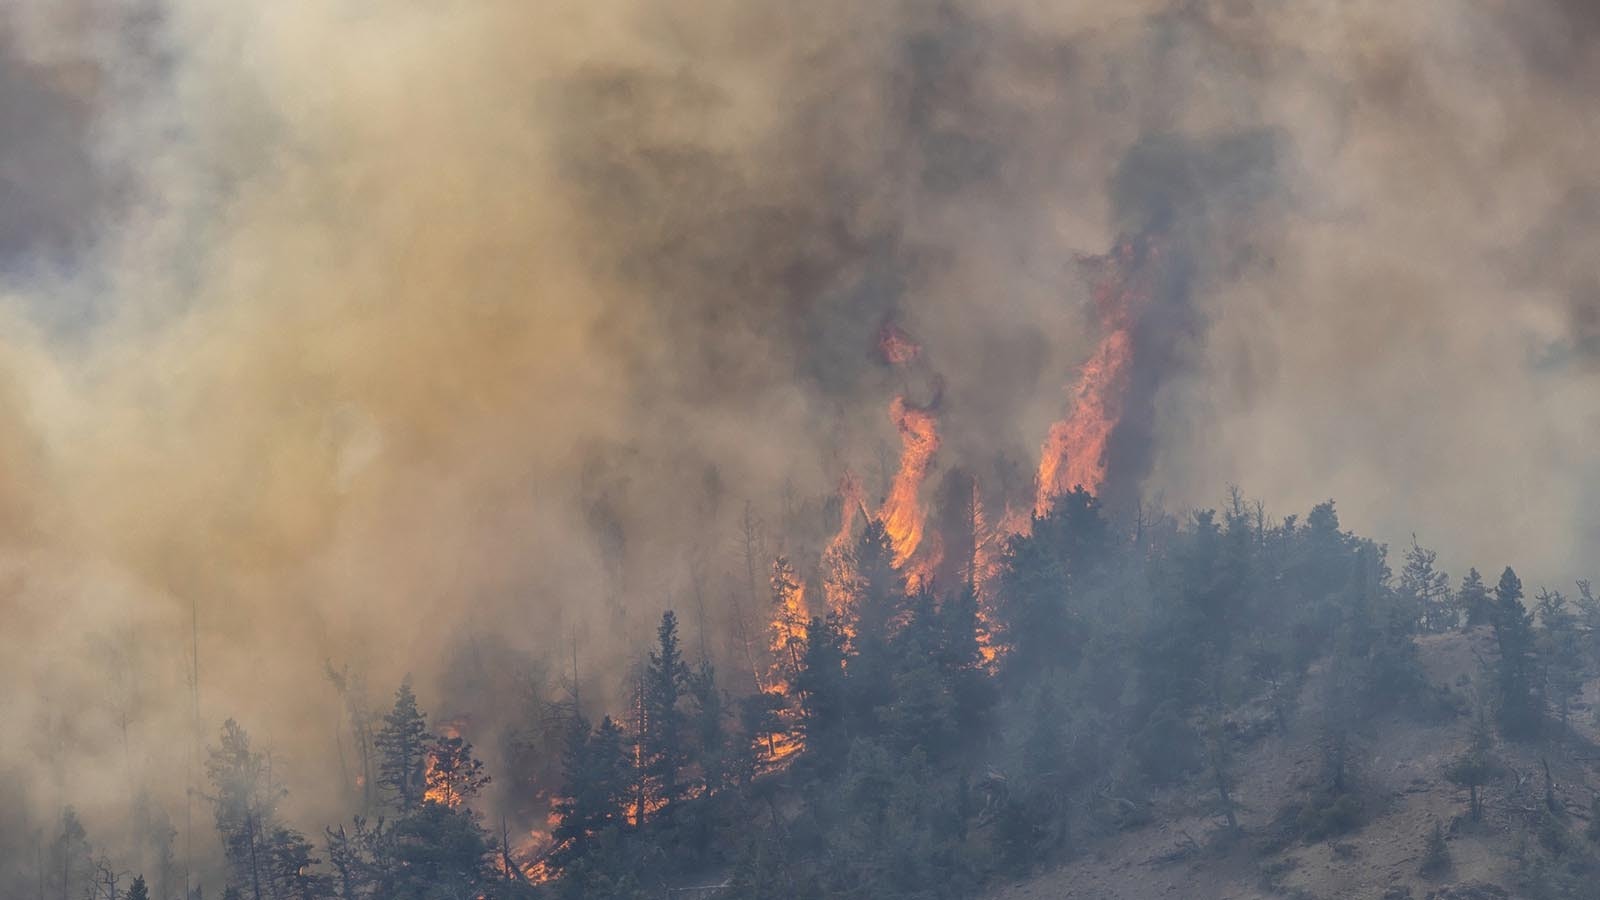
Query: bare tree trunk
point(255, 866)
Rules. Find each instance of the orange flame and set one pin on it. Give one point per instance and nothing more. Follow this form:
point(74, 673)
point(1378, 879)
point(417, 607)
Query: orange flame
point(902, 513)
point(434, 790)
point(1074, 453)
point(897, 347)
point(920, 569)
point(839, 574)
point(790, 618)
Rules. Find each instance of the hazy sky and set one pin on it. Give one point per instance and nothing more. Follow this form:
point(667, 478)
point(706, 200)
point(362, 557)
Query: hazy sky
point(368, 327)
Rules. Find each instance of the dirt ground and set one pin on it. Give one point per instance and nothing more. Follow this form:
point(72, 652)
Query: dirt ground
point(1402, 781)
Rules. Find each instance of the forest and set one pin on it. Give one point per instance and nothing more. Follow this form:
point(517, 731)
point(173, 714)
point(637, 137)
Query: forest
point(923, 741)
point(862, 449)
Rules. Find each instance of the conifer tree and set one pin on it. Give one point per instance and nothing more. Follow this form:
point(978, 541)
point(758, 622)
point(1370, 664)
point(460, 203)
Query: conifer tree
point(70, 863)
point(1560, 652)
point(454, 775)
point(788, 621)
point(709, 726)
point(137, 890)
point(402, 751)
point(822, 687)
point(245, 802)
point(663, 737)
point(596, 788)
point(1520, 706)
point(1473, 600)
point(1425, 590)
point(1436, 855)
point(1477, 766)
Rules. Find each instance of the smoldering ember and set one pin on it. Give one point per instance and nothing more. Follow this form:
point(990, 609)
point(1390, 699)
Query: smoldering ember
point(862, 449)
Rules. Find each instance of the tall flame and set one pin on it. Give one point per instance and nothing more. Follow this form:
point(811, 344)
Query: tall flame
point(790, 619)
point(1074, 453)
point(434, 790)
point(896, 347)
point(902, 513)
point(838, 571)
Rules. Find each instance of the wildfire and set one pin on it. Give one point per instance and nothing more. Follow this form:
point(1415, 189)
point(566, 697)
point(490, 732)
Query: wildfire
point(895, 345)
point(902, 512)
point(531, 855)
point(836, 558)
point(436, 789)
point(1074, 453)
point(789, 620)
point(920, 569)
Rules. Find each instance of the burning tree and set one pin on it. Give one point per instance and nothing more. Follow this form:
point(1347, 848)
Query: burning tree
point(454, 775)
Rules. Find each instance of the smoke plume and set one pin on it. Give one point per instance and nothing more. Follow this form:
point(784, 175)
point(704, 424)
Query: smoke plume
point(419, 337)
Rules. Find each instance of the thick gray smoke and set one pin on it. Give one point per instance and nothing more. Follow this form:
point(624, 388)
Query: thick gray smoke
point(365, 331)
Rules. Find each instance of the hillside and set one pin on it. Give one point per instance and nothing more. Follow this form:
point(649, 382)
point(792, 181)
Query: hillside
point(1401, 779)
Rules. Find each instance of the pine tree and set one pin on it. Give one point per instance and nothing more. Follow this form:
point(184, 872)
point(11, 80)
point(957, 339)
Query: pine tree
point(962, 666)
point(1426, 591)
point(290, 867)
point(1473, 600)
point(245, 804)
point(402, 751)
point(710, 728)
point(454, 775)
point(1561, 652)
point(1477, 766)
point(137, 890)
point(1047, 573)
point(1589, 619)
point(1515, 674)
point(595, 788)
point(362, 858)
point(823, 688)
point(788, 620)
point(71, 858)
point(1436, 855)
point(440, 852)
point(882, 587)
point(663, 736)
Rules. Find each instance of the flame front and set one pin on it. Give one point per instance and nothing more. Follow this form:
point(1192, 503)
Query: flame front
point(790, 618)
point(836, 559)
point(902, 513)
point(1074, 453)
point(434, 790)
point(896, 347)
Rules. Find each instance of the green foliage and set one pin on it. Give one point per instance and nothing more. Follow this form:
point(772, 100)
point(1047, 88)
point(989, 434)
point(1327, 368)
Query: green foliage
point(1561, 651)
point(663, 729)
point(439, 852)
point(823, 691)
point(1329, 814)
point(1424, 591)
point(1167, 747)
point(70, 868)
point(1520, 703)
point(1129, 664)
point(402, 751)
point(1477, 766)
point(1435, 854)
point(598, 783)
point(1473, 601)
point(1555, 866)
